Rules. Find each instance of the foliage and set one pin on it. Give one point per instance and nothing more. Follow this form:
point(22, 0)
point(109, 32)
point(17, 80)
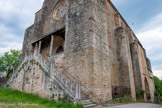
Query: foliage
point(158, 85)
point(140, 92)
point(9, 61)
point(122, 99)
point(158, 88)
point(10, 96)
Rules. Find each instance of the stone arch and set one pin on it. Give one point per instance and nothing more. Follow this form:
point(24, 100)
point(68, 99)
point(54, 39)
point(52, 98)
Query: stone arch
point(45, 48)
point(59, 50)
point(58, 43)
point(147, 89)
point(59, 10)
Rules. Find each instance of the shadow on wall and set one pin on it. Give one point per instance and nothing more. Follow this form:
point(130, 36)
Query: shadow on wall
point(3, 81)
point(3, 78)
point(148, 97)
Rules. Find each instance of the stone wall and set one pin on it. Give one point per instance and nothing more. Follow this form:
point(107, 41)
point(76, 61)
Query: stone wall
point(27, 48)
point(86, 47)
point(33, 77)
point(136, 65)
point(115, 20)
point(120, 56)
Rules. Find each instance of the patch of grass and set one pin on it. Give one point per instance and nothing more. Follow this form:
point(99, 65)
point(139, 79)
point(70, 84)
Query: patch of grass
point(122, 99)
point(14, 99)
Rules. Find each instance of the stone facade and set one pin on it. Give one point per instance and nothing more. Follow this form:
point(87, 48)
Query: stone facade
point(82, 49)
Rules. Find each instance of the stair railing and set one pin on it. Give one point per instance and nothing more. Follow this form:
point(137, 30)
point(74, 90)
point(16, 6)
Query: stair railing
point(44, 62)
point(75, 85)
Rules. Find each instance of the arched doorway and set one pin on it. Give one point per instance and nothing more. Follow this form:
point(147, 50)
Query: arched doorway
point(58, 46)
point(147, 89)
point(59, 50)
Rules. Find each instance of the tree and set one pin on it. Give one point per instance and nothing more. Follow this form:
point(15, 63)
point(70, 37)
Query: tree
point(158, 87)
point(9, 61)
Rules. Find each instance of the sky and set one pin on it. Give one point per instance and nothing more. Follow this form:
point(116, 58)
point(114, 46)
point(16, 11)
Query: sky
point(143, 16)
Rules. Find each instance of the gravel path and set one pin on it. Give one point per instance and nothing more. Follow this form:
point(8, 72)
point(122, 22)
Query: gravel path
point(137, 105)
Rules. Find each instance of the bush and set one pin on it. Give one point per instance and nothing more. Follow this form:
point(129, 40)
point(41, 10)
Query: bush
point(158, 90)
point(140, 94)
point(122, 99)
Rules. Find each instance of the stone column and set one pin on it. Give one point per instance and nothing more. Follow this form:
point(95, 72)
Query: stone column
point(51, 45)
point(39, 48)
point(86, 47)
point(136, 65)
point(77, 92)
point(126, 79)
point(40, 44)
point(35, 49)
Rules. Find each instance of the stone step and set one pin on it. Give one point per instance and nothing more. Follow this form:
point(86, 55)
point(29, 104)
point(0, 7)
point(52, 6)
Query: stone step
point(83, 101)
point(84, 98)
point(86, 103)
point(90, 106)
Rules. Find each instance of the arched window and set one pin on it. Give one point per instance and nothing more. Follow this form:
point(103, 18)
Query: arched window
point(59, 50)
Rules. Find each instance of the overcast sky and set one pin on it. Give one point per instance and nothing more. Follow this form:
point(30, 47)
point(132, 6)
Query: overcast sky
point(143, 16)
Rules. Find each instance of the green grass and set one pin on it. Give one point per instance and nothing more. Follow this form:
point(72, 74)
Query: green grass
point(10, 98)
point(122, 99)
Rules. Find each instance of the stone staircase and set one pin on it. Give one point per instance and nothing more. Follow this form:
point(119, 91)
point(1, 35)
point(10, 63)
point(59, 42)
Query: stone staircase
point(69, 87)
point(72, 88)
point(86, 102)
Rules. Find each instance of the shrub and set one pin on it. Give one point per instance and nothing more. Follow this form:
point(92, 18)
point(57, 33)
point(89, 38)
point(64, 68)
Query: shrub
point(140, 94)
point(122, 99)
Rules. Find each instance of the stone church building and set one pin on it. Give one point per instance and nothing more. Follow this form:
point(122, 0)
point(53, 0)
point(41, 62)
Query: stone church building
point(82, 49)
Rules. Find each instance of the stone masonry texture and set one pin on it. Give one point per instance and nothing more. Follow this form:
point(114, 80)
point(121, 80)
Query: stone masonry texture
point(82, 47)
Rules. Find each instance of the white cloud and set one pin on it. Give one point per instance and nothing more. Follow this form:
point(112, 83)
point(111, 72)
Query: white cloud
point(13, 45)
point(16, 16)
point(8, 39)
point(153, 23)
point(24, 10)
point(158, 73)
point(151, 37)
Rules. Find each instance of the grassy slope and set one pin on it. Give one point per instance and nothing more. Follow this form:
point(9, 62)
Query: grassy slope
point(10, 96)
